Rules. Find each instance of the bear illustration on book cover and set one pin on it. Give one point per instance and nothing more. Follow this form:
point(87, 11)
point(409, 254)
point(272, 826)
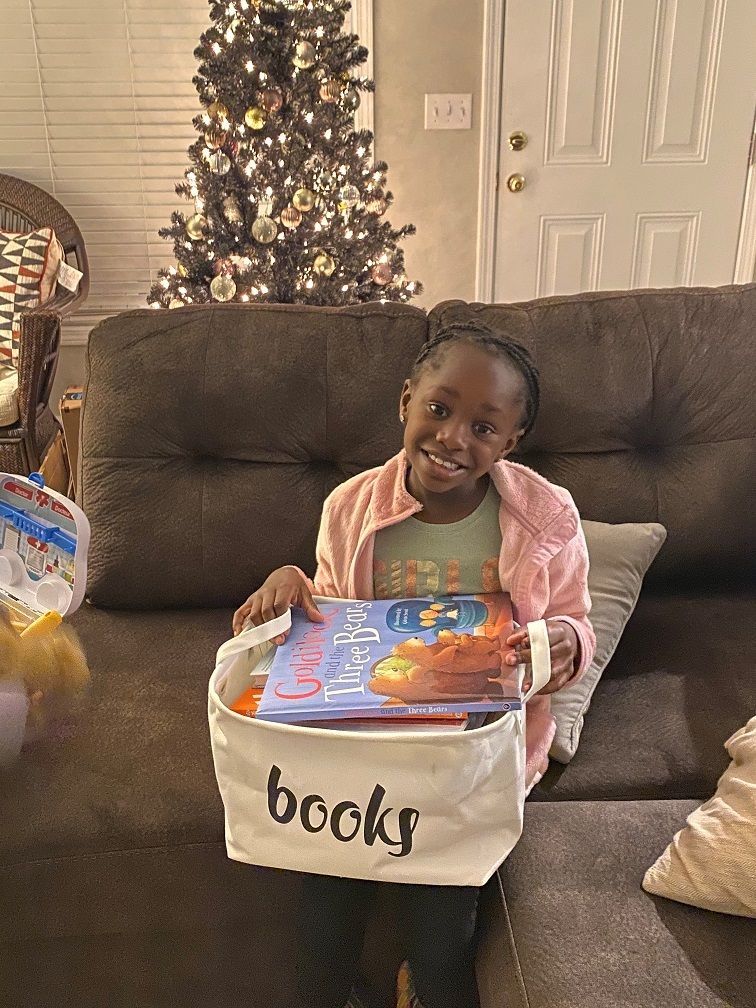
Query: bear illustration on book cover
point(374, 658)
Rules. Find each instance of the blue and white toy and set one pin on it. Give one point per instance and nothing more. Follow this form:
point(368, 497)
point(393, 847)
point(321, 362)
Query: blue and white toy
point(44, 538)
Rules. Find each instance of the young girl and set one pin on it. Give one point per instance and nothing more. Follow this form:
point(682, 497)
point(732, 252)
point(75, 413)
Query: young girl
point(447, 515)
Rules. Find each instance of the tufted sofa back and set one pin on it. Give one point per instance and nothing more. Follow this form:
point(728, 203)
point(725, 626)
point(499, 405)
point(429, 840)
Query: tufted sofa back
point(647, 414)
point(211, 436)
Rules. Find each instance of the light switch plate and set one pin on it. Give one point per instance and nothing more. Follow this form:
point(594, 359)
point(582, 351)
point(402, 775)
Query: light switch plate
point(448, 111)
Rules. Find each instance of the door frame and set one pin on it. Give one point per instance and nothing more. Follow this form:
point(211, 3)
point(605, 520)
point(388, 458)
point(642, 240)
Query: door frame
point(362, 25)
point(491, 90)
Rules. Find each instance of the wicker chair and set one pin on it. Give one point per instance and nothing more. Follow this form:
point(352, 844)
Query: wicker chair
point(24, 207)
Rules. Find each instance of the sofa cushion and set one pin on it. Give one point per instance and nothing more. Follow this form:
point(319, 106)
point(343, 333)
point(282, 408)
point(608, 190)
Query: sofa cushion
point(711, 863)
point(646, 414)
point(212, 435)
point(619, 557)
point(581, 931)
point(29, 266)
point(680, 682)
point(136, 769)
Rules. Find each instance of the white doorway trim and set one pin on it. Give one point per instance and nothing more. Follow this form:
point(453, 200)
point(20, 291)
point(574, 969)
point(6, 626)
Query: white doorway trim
point(490, 134)
point(745, 259)
point(362, 25)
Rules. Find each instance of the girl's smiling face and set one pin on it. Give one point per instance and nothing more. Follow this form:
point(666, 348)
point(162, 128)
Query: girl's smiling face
point(463, 412)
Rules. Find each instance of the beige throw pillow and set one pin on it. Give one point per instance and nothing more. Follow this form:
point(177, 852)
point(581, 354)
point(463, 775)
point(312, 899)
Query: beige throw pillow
point(619, 556)
point(711, 863)
point(29, 265)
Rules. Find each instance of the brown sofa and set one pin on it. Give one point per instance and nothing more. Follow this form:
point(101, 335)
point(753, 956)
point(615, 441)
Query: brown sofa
point(210, 439)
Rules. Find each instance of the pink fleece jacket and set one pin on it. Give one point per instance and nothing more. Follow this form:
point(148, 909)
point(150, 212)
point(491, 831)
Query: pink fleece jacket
point(543, 561)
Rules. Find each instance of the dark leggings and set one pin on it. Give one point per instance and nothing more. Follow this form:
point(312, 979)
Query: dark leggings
point(437, 924)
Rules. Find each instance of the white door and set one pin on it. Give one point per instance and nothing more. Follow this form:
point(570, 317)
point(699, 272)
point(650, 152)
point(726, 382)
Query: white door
point(638, 116)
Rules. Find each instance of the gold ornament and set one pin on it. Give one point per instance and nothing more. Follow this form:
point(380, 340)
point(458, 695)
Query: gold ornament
point(351, 99)
point(219, 162)
point(304, 200)
point(195, 226)
point(255, 117)
point(377, 207)
point(181, 270)
point(176, 303)
point(291, 217)
point(330, 91)
point(222, 287)
point(304, 55)
point(349, 196)
point(272, 99)
point(217, 110)
point(232, 210)
point(324, 265)
point(382, 274)
point(264, 230)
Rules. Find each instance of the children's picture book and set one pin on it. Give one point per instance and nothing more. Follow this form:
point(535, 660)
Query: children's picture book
point(415, 658)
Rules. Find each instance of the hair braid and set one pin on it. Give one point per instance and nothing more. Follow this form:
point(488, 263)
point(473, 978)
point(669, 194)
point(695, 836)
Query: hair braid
point(475, 332)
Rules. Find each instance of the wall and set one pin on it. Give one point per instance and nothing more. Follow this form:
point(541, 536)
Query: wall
point(419, 46)
point(428, 46)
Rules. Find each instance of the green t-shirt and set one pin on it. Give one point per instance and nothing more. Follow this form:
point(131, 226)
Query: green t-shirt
point(413, 558)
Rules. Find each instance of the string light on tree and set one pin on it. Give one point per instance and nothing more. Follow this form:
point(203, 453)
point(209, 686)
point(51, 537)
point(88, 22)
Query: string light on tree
point(278, 84)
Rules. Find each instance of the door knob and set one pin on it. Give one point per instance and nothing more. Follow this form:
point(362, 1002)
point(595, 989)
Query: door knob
point(517, 140)
point(516, 182)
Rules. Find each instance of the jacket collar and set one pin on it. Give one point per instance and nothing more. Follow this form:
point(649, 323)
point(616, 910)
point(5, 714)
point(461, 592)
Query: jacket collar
point(526, 496)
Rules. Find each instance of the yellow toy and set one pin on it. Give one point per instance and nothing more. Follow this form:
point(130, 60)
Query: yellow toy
point(43, 677)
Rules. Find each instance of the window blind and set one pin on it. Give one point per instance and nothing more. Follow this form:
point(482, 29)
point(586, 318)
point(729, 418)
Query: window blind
point(101, 116)
point(98, 111)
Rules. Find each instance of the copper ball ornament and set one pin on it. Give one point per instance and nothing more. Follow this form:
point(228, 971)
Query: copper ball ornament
point(271, 99)
point(215, 136)
point(291, 217)
point(382, 274)
point(330, 91)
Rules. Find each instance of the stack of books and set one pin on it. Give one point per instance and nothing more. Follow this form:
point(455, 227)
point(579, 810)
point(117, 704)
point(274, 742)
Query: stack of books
point(429, 664)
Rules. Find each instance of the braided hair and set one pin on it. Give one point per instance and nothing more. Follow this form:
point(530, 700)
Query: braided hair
point(478, 334)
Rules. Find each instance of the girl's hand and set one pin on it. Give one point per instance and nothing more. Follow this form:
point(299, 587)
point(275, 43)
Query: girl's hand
point(563, 644)
point(284, 588)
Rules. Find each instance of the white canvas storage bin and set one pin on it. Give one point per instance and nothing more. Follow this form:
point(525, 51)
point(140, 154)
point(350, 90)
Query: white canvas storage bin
point(431, 807)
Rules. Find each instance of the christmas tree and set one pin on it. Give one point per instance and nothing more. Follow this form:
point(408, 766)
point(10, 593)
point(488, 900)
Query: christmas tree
point(288, 206)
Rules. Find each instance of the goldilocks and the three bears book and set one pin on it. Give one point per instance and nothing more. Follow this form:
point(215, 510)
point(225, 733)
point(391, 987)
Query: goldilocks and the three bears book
point(408, 657)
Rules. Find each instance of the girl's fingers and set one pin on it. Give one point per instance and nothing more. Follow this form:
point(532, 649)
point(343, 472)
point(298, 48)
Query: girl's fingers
point(282, 601)
point(239, 616)
point(308, 604)
point(518, 637)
